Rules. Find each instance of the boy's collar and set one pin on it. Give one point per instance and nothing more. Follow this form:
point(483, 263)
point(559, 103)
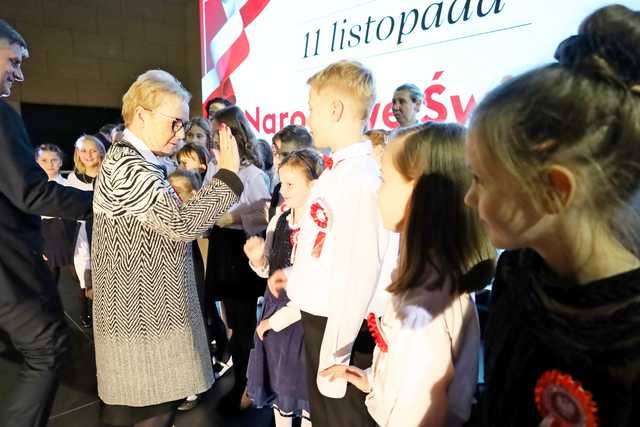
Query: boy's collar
point(357, 149)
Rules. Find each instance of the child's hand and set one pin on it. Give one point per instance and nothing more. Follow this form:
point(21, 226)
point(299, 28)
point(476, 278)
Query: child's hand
point(277, 281)
point(254, 249)
point(352, 374)
point(225, 220)
point(262, 328)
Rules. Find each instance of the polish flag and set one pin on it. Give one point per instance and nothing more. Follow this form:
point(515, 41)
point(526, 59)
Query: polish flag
point(224, 42)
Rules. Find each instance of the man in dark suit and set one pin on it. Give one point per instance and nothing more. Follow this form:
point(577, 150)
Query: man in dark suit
point(30, 309)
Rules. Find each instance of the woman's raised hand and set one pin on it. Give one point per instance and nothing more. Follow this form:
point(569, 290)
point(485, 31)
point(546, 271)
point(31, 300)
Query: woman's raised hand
point(229, 157)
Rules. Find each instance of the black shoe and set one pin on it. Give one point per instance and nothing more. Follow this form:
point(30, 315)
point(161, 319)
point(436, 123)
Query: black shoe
point(86, 322)
point(188, 405)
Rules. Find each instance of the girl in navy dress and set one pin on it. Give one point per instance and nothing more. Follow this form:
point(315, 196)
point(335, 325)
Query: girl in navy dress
point(276, 375)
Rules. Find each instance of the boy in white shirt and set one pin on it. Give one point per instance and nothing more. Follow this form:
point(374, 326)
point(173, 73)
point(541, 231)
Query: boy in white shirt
point(341, 246)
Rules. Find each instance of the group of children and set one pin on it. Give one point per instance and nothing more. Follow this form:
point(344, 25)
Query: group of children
point(548, 171)
point(369, 317)
point(67, 243)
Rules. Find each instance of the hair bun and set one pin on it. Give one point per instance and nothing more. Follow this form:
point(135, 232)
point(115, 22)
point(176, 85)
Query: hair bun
point(607, 46)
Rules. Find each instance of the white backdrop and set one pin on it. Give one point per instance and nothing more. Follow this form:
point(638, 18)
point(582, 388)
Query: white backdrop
point(454, 50)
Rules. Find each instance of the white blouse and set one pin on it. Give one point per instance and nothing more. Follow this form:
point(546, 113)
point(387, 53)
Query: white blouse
point(82, 251)
point(428, 375)
point(289, 314)
point(252, 206)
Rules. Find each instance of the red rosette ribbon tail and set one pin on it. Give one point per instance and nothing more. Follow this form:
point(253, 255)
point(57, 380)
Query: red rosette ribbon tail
point(374, 329)
point(321, 219)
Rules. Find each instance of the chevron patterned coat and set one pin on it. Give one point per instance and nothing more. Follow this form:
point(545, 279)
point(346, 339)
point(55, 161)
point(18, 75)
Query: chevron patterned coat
point(149, 334)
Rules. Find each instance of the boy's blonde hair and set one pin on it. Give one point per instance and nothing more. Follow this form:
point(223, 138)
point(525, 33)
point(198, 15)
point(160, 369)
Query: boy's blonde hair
point(148, 90)
point(350, 77)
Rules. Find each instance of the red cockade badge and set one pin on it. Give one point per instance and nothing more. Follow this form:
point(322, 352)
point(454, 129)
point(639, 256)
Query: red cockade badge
point(376, 333)
point(327, 161)
point(563, 402)
point(320, 216)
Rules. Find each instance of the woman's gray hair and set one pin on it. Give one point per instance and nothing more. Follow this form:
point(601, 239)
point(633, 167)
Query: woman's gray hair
point(414, 92)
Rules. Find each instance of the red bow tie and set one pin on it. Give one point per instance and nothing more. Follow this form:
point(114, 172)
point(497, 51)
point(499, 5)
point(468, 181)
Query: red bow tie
point(328, 162)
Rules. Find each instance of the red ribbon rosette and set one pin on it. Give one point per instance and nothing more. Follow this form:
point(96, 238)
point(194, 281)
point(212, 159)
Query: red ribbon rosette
point(376, 333)
point(563, 402)
point(327, 162)
point(320, 216)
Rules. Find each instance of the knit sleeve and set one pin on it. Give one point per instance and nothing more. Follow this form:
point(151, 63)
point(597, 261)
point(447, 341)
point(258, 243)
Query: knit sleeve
point(131, 186)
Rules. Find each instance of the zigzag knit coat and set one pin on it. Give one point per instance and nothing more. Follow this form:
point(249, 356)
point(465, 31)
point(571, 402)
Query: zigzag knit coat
point(149, 333)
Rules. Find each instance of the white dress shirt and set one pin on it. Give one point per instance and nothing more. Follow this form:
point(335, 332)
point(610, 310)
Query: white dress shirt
point(428, 375)
point(341, 282)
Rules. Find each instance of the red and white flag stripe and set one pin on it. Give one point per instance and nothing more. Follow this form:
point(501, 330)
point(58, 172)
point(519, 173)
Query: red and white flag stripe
point(224, 42)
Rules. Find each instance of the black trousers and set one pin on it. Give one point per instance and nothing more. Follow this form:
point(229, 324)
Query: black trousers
point(350, 411)
point(38, 331)
point(241, 317)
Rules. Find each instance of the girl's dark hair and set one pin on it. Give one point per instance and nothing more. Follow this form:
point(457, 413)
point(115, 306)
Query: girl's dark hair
point(307, 159)
point(217, 100)
point(206, 128)
point(582, 112)
point(295, 136)
point(263, 148)
point(196, 150)
point(440, 233)
point(48, 147)
point(193, 177)
point(235, 119)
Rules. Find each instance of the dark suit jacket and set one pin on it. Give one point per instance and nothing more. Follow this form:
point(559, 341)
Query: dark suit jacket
point(25, 194)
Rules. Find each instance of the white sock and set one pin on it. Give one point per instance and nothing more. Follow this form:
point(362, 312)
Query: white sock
point(282, 421)
point(191, 398)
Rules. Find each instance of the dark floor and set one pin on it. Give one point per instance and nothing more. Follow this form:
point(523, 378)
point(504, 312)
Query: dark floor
point(76, 403)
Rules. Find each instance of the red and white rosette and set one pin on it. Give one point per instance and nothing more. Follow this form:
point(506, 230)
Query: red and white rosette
point(322, 219)
point(563, 402)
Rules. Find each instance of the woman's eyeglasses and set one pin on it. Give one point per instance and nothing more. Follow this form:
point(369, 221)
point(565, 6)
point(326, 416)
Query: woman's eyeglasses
point(177, 124)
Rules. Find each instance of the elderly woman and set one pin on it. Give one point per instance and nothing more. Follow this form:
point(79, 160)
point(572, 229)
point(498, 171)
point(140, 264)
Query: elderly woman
point(151, 349)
